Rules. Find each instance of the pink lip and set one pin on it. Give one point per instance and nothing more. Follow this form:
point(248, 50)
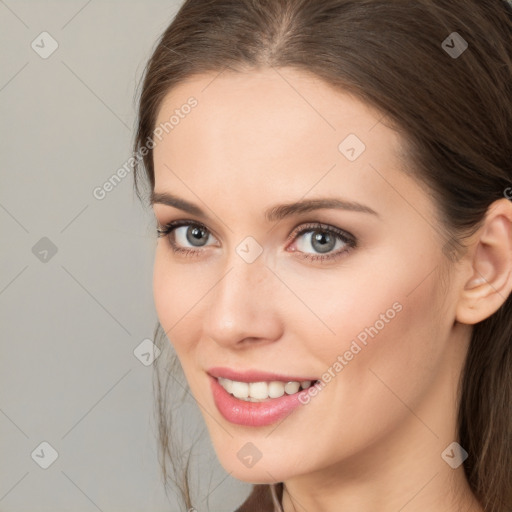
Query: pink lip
point(254, 375)
point(253, 414)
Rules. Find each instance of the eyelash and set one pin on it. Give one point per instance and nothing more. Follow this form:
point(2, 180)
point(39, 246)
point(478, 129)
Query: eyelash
point(348, 239)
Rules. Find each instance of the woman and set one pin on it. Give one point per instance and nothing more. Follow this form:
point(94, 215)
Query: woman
point(334, 262)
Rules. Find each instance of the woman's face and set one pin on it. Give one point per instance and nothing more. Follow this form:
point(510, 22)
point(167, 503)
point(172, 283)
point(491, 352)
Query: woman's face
point(349, 294)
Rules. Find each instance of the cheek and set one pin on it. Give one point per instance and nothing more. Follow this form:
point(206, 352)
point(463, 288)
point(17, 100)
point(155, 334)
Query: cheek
point(378, 330)
point(164, 288)
point(175, 293)
point(401, 351)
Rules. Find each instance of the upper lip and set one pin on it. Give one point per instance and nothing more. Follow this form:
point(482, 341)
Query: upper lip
point(254, 375)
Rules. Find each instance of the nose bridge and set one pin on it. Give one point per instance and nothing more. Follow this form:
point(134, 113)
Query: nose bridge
point(241, 303)
point(241, 289)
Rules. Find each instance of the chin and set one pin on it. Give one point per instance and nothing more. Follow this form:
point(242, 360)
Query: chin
point(263, 470)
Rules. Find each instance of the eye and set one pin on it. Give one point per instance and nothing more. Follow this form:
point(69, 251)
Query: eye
point(180, 233)
point(323, 239)
point(189, 237)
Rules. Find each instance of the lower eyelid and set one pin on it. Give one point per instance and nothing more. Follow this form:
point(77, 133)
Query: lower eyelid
point(329, 257)
point(344, 243)
point(171, 234)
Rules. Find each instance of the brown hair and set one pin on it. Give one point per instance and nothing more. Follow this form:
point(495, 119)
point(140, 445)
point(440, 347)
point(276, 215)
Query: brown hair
point(454, 112)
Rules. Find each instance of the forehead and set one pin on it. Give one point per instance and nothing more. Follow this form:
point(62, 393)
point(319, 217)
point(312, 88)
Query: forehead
point(284, 133)
point(274, 108)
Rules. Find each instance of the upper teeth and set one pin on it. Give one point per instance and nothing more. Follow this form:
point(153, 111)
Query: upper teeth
point(258, 391)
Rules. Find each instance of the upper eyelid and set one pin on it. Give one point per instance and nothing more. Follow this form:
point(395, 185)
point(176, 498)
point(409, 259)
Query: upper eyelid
point(320, 226)
point(300, 229)
point(175, 224)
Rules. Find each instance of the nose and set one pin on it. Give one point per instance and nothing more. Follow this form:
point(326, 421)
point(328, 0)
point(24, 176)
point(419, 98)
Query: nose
point(243, 307)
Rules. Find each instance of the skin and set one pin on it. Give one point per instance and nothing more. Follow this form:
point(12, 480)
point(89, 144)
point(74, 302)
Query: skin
point(372, 439)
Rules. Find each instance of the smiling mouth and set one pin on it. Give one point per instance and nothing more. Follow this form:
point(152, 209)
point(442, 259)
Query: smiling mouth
point(262, 391)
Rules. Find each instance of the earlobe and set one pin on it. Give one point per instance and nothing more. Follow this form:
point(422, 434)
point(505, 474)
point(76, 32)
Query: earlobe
point(490, 281)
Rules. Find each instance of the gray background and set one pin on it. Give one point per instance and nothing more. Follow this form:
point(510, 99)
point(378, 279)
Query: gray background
point(70, 321)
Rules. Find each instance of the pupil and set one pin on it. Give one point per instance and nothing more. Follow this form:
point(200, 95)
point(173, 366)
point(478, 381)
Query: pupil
point(195, 234)
point(325, 240)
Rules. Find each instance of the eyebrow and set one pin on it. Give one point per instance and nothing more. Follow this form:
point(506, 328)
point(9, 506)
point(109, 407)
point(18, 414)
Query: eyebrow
point(274, 213)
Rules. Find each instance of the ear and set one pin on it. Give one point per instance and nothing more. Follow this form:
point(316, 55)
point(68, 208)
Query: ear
point(489, 266)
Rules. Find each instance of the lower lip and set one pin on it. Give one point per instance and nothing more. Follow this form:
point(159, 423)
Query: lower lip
point(253, 414)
